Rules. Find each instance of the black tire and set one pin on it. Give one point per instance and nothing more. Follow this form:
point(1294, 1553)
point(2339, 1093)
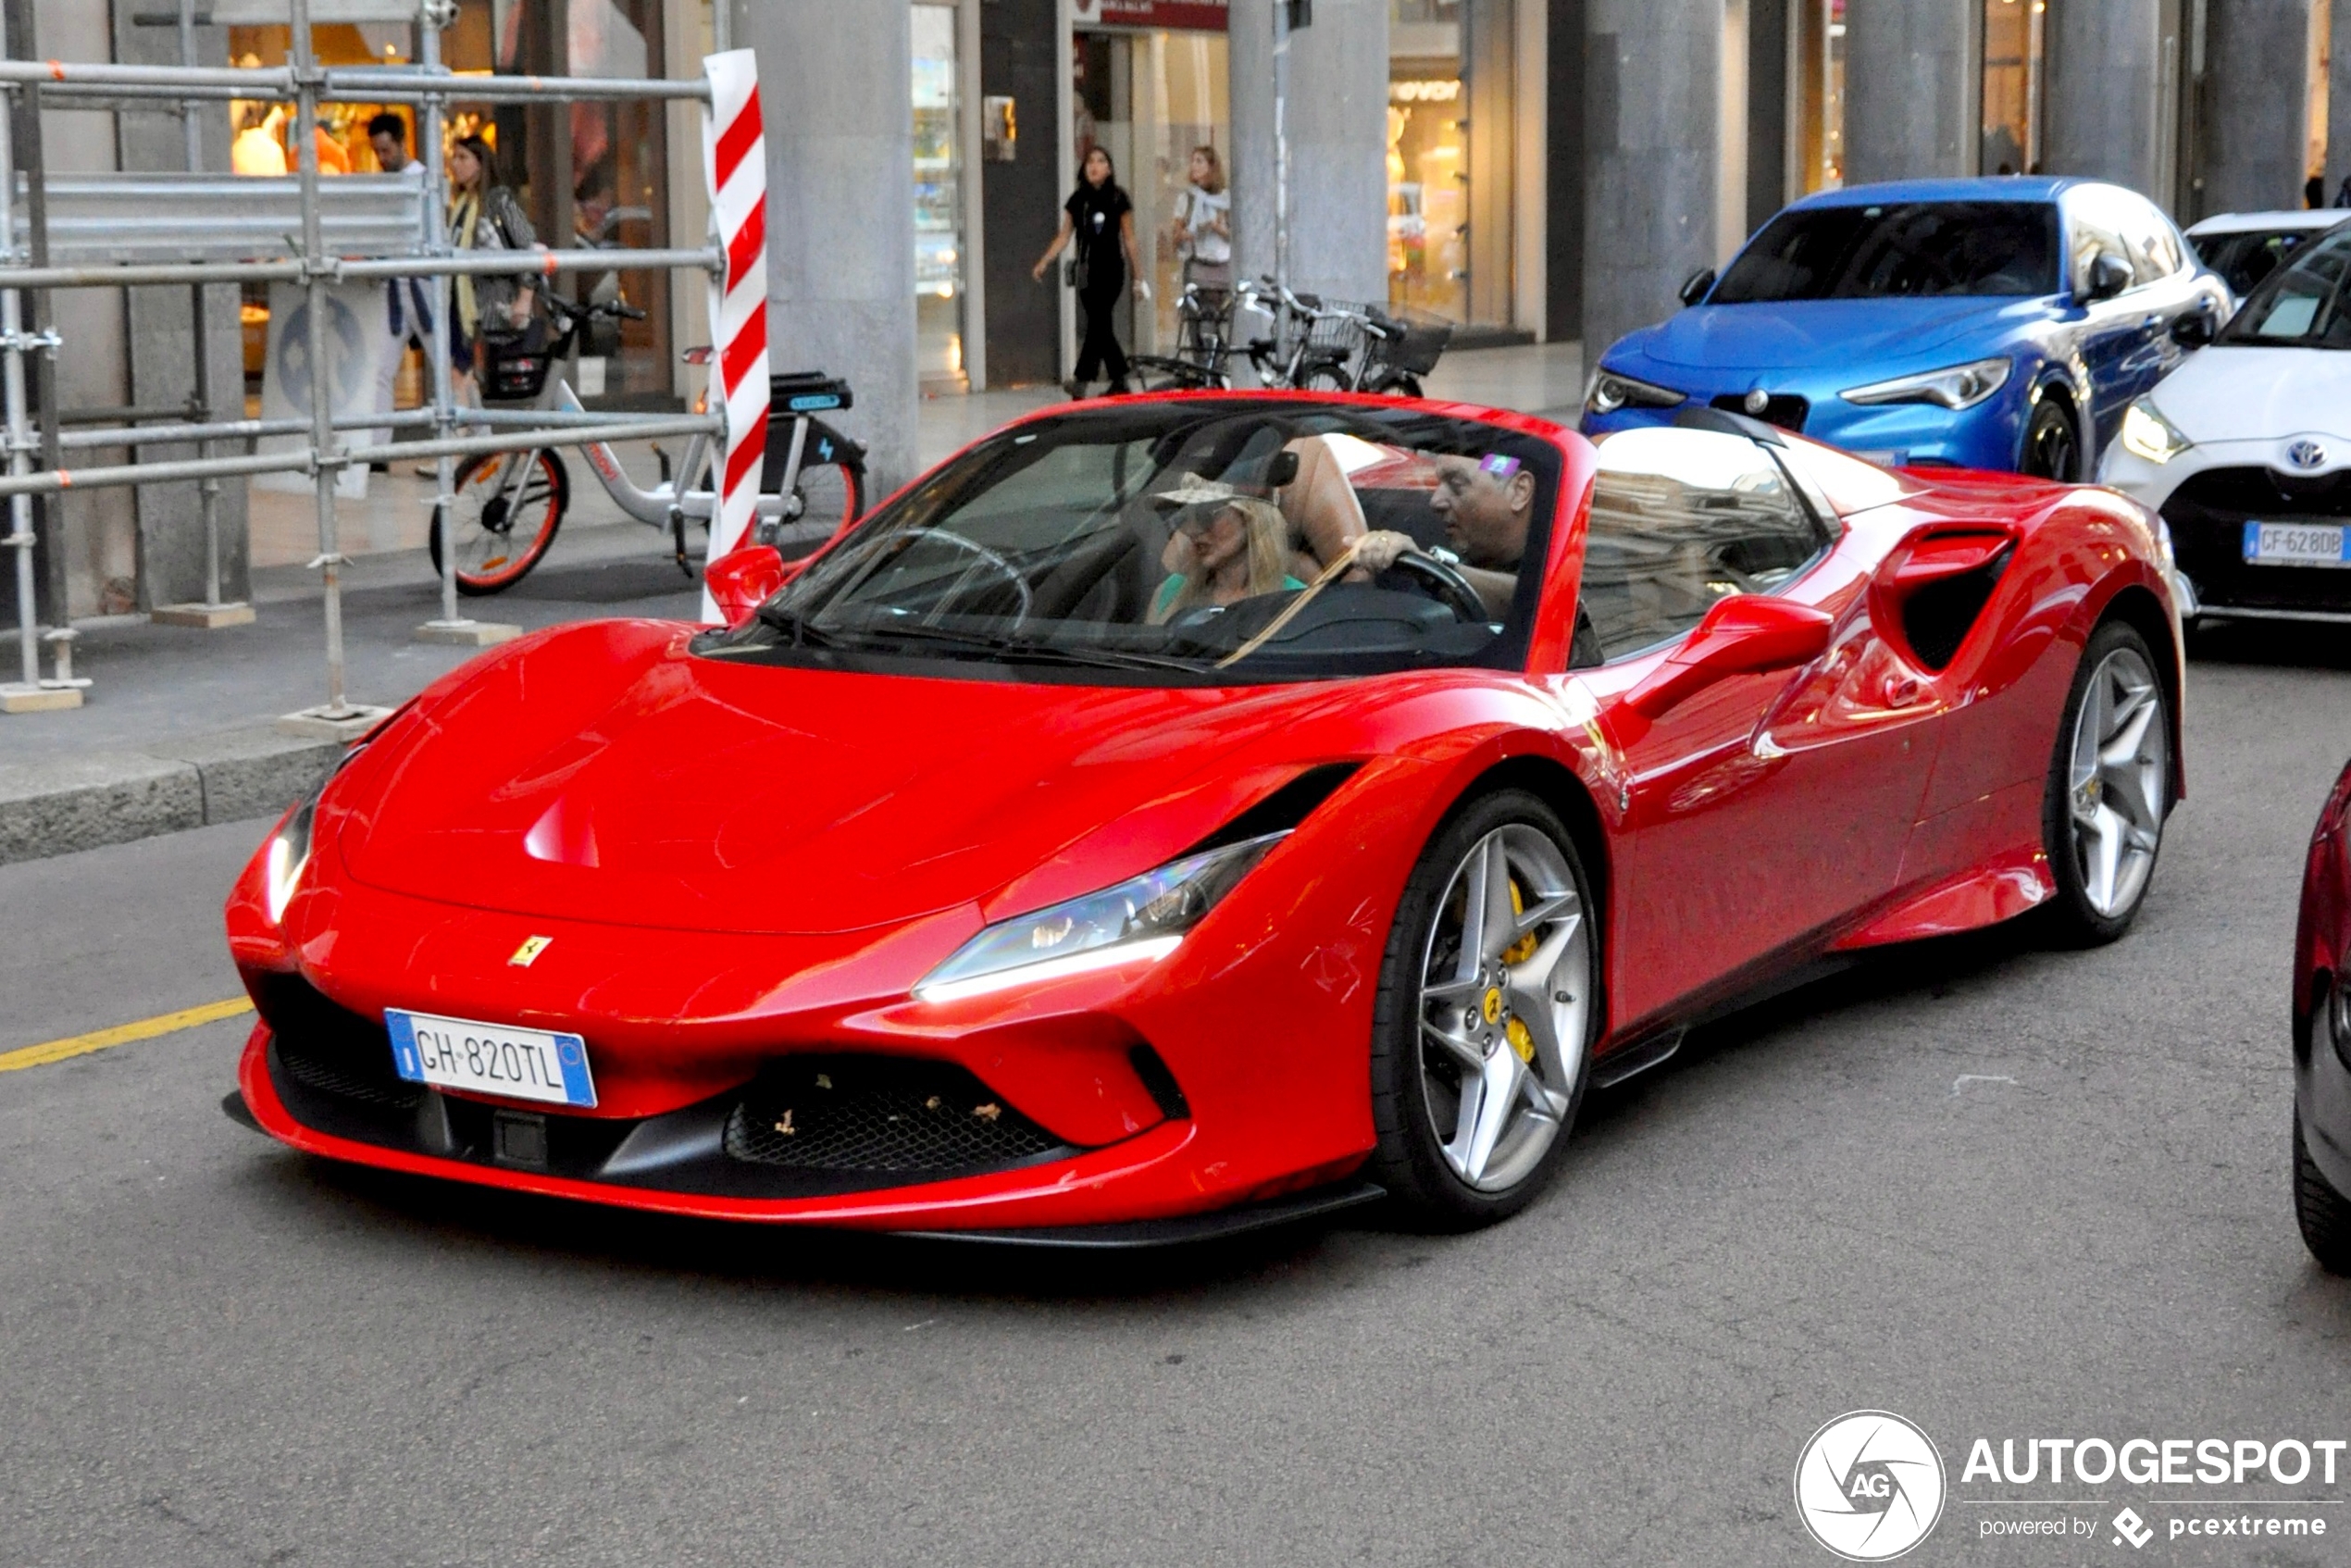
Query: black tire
point(501, 536)
point(1324, 378)
point(1410, 1159)
point(2052, 443)
point(2323, 1214)
point(2079, 914)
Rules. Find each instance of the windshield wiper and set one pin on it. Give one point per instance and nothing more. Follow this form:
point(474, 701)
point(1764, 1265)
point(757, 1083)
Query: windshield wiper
point(1021, 650)
point(798, 626)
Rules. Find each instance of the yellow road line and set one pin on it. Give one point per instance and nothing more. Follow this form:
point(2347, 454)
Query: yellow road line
point(123, 1034)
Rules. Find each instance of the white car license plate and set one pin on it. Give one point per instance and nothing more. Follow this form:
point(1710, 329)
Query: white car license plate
point(2294, 544)
point(489, 1058)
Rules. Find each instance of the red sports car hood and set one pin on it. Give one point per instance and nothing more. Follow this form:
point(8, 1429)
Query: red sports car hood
point(605, 773)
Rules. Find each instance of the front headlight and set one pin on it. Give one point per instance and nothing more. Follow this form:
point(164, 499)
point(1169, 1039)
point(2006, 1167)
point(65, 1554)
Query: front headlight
point(1609, 391)
point(1957, 387)
point(1137, 921)
point(289, 855)
point(2147, 433)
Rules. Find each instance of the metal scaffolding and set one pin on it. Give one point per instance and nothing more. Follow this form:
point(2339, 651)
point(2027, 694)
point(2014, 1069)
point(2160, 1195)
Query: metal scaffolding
point(111, 231)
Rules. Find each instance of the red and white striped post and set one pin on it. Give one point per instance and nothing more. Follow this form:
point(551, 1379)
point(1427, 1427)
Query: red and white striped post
point(735, 165)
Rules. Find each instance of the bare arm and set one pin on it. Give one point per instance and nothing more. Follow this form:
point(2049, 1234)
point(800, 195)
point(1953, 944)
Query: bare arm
point(1051, 251)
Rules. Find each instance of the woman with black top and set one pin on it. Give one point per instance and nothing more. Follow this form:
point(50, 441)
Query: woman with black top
point(1097, 211)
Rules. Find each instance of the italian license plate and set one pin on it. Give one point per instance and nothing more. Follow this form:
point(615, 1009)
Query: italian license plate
point(2294, 544)
point(489, 1058)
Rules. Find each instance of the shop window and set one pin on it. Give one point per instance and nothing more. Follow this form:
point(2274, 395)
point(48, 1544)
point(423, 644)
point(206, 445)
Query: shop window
point(1450, 142)
point(2014, 58)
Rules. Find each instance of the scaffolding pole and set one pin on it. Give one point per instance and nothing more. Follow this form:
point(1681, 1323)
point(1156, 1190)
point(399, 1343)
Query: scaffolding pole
point(160, 245)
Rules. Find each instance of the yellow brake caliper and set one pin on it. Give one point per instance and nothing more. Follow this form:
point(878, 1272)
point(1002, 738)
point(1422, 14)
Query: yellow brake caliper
point(1519, 951)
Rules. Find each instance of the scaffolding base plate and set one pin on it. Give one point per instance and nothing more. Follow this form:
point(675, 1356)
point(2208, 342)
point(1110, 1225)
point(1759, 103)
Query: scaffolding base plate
point(38, 698)
point(468, 634)
point(204, 618)
point(325, 724)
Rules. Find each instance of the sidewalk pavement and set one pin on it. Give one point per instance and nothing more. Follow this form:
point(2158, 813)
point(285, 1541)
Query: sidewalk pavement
point(177, 730)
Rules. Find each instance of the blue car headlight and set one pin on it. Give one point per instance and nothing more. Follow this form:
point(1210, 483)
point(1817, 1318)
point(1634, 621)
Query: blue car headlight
point(1955, 387)
point(1609, 391)
point(1142, 919)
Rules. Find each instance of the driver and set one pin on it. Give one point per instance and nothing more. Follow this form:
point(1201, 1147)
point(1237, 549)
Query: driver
point(1487, 504)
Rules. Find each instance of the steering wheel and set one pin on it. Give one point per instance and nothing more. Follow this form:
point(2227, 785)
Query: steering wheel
point(1445, 585)
point(987, 558)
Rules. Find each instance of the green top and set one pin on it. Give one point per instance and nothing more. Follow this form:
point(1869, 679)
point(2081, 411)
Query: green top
point(1175, 585)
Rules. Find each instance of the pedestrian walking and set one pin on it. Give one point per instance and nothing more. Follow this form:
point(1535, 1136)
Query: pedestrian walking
point(407, 301)
point(1100, 219)
point(1202, 231)
point(483, 215)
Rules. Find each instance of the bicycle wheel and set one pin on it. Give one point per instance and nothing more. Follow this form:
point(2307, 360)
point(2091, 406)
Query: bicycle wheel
point(1322, 378)
point(503, 520)
point(832, 497)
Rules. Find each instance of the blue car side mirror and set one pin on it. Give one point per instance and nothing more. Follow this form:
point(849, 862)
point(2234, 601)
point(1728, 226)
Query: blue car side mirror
point(2108, 276)
point(1698, 285)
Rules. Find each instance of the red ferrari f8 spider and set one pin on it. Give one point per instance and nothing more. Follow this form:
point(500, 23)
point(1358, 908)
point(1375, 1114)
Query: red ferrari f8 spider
point(1179, 813)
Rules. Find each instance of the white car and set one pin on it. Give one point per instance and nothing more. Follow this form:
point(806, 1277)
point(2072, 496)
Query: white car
point(2246, 449)
point(2245, 248)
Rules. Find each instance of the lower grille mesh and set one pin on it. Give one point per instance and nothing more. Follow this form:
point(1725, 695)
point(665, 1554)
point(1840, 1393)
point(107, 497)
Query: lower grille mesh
point(870, 1113)
point(343, 1075)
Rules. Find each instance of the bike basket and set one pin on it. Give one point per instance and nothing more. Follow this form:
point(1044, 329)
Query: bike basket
point(514, 364)
point(1416, 349)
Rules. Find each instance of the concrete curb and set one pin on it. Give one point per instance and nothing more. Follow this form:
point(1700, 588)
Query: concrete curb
point(50, 808)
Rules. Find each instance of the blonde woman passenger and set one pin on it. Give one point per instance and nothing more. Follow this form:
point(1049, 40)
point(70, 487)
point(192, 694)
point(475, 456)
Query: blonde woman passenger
point(1223, 548)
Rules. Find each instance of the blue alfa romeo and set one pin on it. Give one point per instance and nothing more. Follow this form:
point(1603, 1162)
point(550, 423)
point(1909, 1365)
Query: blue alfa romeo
point(1999, 323)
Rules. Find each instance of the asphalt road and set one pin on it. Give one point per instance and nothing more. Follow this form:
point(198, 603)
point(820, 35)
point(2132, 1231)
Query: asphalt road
point(2003, 1191)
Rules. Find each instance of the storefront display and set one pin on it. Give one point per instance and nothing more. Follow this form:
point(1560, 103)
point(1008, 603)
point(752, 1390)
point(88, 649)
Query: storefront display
point(1148, 97)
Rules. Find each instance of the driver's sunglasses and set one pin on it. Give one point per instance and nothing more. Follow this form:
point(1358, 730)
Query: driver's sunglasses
point(1200, 519)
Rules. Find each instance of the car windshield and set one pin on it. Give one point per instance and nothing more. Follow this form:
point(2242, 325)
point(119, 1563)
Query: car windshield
point(1897, 250)
point(2248, 255)
point(2301, 304)
point(1186, 542)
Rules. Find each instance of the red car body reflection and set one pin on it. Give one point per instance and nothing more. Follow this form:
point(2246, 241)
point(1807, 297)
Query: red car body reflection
point(736, 865)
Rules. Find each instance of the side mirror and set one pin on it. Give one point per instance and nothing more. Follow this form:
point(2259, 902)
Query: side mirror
point(1746, 634)
point(1698, 285)
point(2195, 329)
point(2109, 275)
point(743, 579)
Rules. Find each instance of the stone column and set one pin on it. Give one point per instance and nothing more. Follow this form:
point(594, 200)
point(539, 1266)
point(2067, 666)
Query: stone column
point(1653, 101)
point(1913, 88)
point(836, 85)
point(2339, 98)
point(2104, 93)
point(1337, 114)
point(2260, 62)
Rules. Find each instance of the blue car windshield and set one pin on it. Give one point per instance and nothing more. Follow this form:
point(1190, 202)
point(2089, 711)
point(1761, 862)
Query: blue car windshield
point(1898, 250)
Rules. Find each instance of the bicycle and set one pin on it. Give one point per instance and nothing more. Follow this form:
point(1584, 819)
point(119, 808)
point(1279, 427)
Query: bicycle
point(1343, 347)
point(1202, 360)
point(509, 505)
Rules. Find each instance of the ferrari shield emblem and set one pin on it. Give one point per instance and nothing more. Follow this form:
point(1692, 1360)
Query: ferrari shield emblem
point(527, 955)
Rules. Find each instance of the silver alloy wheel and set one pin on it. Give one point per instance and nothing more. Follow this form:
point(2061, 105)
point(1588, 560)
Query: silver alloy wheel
point(2116, 785)
point(1503, 1007)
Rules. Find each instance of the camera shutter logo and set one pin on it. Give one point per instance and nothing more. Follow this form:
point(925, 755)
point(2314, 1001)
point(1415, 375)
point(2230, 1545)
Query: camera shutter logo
point(1869, 1485)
